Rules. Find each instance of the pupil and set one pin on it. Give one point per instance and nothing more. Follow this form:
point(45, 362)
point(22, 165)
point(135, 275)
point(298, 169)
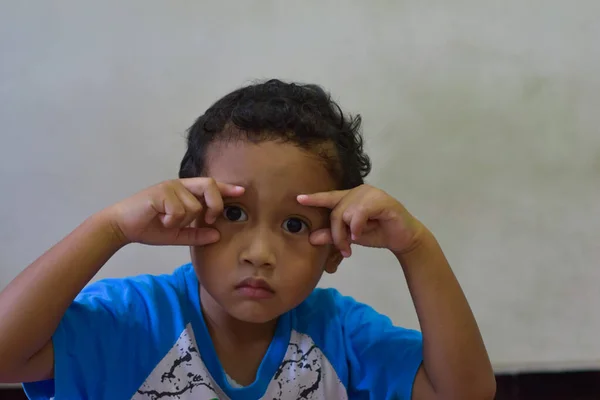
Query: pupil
point(294, 225)
point(233, 213)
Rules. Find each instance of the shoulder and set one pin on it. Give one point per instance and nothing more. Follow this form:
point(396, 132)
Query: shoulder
point(328, 316)
point(372, 356)
point(335, 321)
point(320, 300)
point(133, 304)
point(330, 303)
point(131, 321)
point(140, 289)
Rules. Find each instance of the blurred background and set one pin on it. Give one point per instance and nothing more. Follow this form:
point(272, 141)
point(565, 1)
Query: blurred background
point(482, 117)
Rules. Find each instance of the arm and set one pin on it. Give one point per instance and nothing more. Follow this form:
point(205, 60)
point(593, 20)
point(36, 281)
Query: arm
point(455, 361)
point(455, 365)
point(32, 305)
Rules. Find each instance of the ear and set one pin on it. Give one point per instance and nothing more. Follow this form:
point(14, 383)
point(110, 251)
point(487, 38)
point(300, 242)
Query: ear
point(333, 260)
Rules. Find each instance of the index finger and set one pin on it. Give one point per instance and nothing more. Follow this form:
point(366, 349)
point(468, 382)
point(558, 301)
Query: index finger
point(197, 186)
point(322, 199)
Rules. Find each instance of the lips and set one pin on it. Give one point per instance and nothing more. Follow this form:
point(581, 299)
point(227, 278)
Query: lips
point(255, 289)
point(255, 283)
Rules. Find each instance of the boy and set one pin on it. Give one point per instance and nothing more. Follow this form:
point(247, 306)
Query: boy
point(270, 195)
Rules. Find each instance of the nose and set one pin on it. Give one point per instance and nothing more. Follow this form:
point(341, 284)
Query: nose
point(259, 248)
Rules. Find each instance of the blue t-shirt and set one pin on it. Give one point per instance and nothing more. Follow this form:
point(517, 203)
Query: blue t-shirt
point(145, 338)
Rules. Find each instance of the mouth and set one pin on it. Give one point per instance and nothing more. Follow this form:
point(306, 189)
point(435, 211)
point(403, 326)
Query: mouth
point(255, 288)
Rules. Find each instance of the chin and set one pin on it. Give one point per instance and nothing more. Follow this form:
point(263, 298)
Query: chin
point(254, 316)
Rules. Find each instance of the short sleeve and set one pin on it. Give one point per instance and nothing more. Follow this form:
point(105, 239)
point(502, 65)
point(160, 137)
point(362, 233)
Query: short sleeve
point(95, 342)
point(383, 359)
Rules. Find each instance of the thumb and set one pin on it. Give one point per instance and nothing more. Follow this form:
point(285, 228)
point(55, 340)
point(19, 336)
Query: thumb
point(196, 236)
point(321, 237)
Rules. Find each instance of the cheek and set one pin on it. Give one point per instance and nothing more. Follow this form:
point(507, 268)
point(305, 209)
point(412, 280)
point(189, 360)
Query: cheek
point(304, 261)
point(212, 261)
point(303, 247)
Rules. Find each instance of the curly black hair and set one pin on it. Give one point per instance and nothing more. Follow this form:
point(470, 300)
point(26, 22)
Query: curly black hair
point(304, 115)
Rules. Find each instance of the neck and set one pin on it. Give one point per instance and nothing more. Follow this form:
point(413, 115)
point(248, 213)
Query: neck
point(236, 340)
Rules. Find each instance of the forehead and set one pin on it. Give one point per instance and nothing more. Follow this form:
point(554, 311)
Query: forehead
point(273, 167)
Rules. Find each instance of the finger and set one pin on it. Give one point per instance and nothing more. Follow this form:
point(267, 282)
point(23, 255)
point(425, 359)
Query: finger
point(214, 203)
point(192, 205)
point(357, 220)
point(369, 227)
point(321, 237)
point(196, 236)
point(339, 233)
point(171, 210)
point(198, 185)
point(322, 199)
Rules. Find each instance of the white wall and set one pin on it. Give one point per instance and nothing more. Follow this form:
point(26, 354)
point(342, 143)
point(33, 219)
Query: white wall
point(481, 116)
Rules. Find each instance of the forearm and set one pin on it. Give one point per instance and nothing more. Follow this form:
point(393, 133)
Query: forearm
point(32, 305)
point(454, 355)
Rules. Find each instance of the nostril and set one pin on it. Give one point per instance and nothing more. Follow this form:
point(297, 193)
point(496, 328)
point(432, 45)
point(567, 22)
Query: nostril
point(258, 249)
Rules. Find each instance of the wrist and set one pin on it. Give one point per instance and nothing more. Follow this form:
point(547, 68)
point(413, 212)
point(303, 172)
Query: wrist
point(105, 224)
point(424, 247)
point(417, 240)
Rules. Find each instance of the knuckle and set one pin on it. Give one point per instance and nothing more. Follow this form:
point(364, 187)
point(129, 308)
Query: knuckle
point(168, 221)
point(213, 200)
point(178, 213)
point(164, 185)
point(177, 210)
point(218, 207)
point(337, 213)
point(196, 208)
point(379, 192)
point(348, 213)
point(339, 232)
point(210, 181)
point(168, 186)
point(361, 209)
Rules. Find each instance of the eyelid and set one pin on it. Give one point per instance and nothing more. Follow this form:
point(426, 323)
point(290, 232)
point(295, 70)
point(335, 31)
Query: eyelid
point(304, 220)
point(226, 206)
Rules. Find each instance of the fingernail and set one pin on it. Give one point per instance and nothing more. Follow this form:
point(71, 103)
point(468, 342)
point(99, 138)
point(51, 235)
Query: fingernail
point(301, 197)
point(207, 237)
point(213, 236)
point(353, 236)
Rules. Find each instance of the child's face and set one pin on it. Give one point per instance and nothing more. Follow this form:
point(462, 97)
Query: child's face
point(264, 233)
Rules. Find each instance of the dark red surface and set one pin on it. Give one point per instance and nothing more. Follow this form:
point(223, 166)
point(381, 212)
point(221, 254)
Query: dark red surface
point(555, 386)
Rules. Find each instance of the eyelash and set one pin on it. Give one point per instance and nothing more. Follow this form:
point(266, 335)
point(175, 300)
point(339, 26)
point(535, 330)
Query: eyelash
point(226, 208)
point(305, 224)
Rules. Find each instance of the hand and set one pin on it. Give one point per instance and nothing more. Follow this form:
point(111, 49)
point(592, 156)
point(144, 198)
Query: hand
point(367, 216)
point(162, 214)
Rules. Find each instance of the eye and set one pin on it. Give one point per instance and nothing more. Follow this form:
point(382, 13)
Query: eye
point(294, 225)
point(235, 214)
